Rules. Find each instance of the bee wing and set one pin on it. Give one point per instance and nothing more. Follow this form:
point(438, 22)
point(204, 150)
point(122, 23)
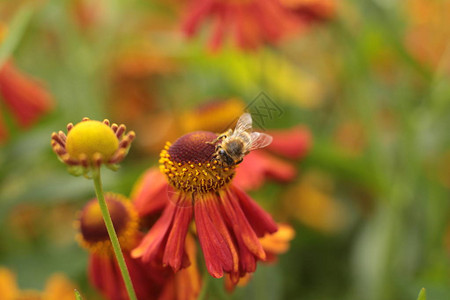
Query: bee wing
point(244, 123)
point(260, 140)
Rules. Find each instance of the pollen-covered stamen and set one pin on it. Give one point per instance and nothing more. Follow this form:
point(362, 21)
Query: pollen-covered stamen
point(93, 233)
point(60, 138)
point(190, 166)
point(120, 130)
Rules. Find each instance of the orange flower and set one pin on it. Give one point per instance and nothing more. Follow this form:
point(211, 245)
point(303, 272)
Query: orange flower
point(58, 287)
point(228, 222)
point(250, 21)
point(429, 32)
point(25, 97)
point(311, 202)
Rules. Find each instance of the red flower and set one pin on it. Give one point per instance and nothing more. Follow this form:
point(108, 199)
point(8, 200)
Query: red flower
point(104, 272)
point(228, 222)
point(252, 22)
point(261, 165)
point(26, 98)
point(311, 10)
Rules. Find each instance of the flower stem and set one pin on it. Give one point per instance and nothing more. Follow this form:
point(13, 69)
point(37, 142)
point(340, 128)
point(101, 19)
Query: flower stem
point(112, 234)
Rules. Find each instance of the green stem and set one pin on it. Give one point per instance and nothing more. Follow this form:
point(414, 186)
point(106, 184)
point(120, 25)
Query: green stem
point(113, 235)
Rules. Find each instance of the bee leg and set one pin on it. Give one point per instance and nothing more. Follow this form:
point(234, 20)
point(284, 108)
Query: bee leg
point(238, 162)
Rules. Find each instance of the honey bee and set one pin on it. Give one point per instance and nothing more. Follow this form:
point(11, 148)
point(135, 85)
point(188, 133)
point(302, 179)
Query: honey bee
point(234, 145)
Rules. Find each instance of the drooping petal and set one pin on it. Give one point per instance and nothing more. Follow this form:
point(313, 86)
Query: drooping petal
point(106, 278)
point(217, 218)
point(151, 245)
point(217, 255)
point(260, 220)
point(241, 227)
point(174, 249)
point(187, 281)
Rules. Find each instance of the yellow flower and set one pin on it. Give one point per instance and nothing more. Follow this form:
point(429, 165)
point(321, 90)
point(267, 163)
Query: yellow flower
point(311, 202)
point(58, 287)
point(90, 143)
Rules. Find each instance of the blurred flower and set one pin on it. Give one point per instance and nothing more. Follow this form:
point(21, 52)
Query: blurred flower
point(58, 287)
point(261, 165)
point(24, 96)
point(87, 13)
point(91, 143)
point(135, 75)
point(104, 272)
point(311, 202)
point(350, 138)
point(228, 222)
point(214, 115)
point(251, 22)
point(429, 32)
point(311, 10)
point(149, 281)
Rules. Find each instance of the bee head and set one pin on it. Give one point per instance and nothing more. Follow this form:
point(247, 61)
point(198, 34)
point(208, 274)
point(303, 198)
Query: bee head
point(225, 157)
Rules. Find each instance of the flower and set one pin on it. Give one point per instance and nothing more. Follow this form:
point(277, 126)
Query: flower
point(263, 164)
point(26, 98)
point(250, 21)
point(427, 34)
point(58, 287)
point(104, 272)
point(273, 244)
point(91, 143)
point(311, 202)
point(311, 10)
point(227, 221)
point(150, 282)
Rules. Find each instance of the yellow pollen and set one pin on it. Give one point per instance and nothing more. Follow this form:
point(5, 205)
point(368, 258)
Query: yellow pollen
point(204, 177)
point(90, 137)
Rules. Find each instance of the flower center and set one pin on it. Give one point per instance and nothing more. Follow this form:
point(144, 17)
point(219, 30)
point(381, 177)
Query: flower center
point(190, 166)
point(90, 137)
point(93, 233)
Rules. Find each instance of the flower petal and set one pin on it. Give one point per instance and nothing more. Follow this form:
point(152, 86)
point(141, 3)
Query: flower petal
point(293, 143)
point(217, 255)
point(260, 220)
point(149, 195)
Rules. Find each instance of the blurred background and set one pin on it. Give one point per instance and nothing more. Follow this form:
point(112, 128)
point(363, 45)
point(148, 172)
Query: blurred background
point(368, 80)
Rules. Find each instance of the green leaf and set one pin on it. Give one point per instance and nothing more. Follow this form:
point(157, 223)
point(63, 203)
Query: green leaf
point(422, 295)
point(77, 295)
point(15, 32)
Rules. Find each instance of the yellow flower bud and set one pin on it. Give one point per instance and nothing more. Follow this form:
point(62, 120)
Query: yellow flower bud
point(90, 137)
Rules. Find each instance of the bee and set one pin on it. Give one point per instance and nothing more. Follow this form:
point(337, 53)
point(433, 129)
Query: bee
point(234, 145)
